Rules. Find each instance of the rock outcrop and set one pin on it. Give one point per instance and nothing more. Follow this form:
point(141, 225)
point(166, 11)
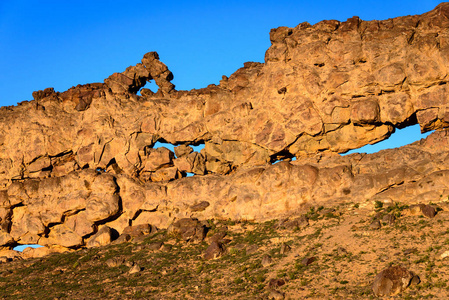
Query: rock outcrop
point(75, 161)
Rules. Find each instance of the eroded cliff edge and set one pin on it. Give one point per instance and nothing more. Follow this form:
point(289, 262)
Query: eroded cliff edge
point(74, 161)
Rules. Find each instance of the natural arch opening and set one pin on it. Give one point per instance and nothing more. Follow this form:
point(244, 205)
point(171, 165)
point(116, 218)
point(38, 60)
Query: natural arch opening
point(150, 85)
point(20, 248)
point(171, 147)
point(401, 137)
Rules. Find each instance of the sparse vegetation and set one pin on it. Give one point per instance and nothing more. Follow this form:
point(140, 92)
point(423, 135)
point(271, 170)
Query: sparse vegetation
point(335, 257)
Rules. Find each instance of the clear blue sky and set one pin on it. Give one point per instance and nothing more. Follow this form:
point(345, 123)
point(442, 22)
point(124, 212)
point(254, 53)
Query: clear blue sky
point(59, 44)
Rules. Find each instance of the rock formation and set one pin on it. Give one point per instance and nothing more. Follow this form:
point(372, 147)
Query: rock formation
point(74, 162)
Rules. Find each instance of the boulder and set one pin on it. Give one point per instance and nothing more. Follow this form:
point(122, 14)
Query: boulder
point(103, 237)
point(189, 229)
point(392, 281)
point(214, 251)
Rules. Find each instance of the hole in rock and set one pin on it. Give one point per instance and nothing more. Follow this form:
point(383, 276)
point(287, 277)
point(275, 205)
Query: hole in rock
point(22, 247)
point(151, 85)
point(171, 147)
point(399, 138)
point(100, 170)
point(166, 145)
point(197, 148)
point(281, 156)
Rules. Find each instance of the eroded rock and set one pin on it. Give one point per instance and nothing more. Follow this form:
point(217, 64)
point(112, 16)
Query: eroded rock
point(75, 160)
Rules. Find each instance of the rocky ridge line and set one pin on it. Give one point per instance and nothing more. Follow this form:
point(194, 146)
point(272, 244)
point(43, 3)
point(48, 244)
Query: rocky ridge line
point(74, 162)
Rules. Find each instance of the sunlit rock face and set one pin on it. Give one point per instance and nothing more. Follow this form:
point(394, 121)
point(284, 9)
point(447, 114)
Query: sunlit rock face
point(73, 161)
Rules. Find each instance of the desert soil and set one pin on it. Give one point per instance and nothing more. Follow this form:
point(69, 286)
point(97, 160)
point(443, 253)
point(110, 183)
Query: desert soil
point(327, 253)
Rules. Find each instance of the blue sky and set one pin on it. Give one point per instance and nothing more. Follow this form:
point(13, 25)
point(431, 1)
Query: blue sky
point(59, 44)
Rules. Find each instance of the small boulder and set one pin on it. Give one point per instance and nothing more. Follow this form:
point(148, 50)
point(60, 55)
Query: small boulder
point(123, 238)
point(189, 229)
point(155, 246)
point(275, 283)
point(285, 248)
point(295, 224)
point(266, 260)
point(139, 230)
point(276, 295)
point(214, 251)
point(421, 209)
point(135, 269)
point(166, 174)
point(308, 260)
point(389, 219)
point(103, 237)
point(392, 281)
point(115, 262)
point(375, 225)
point(428, 211)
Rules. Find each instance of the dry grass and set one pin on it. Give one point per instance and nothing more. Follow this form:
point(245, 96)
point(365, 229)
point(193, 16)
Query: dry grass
point(347, 256)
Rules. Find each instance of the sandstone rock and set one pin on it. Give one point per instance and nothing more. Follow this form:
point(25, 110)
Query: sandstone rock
point(375, 224)
point(421, 209)
point(200, 206)
point(183, 150)
point(155, 218)
point(42, 251)
point(38, 95)
point(275, 283)
point(428, 211)
point(157, 158)
point(85, 156)
point(11, 254)
point(165, 174)
point(219, 236)
point(5, 238)
point(392, 281)
point(82, 95)
point(389, 219)
point(63, 236)
point(308, 260)
point(102, 206)
point(115, 262)
point(139, 230)
point(155, 246)
point(295, 223)
point(191, 163)
point(158, 71)
point(4, 259)
point(103, 237)
point(189, 229)
point(123, 238)
point(266, 260)
point(135, 269)
point(214, 251)
point(276, 295)
point(25, 227)
point(285, 248)
point(80, 224)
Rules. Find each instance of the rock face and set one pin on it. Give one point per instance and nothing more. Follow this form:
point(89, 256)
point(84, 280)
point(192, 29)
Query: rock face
point(73, 161)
